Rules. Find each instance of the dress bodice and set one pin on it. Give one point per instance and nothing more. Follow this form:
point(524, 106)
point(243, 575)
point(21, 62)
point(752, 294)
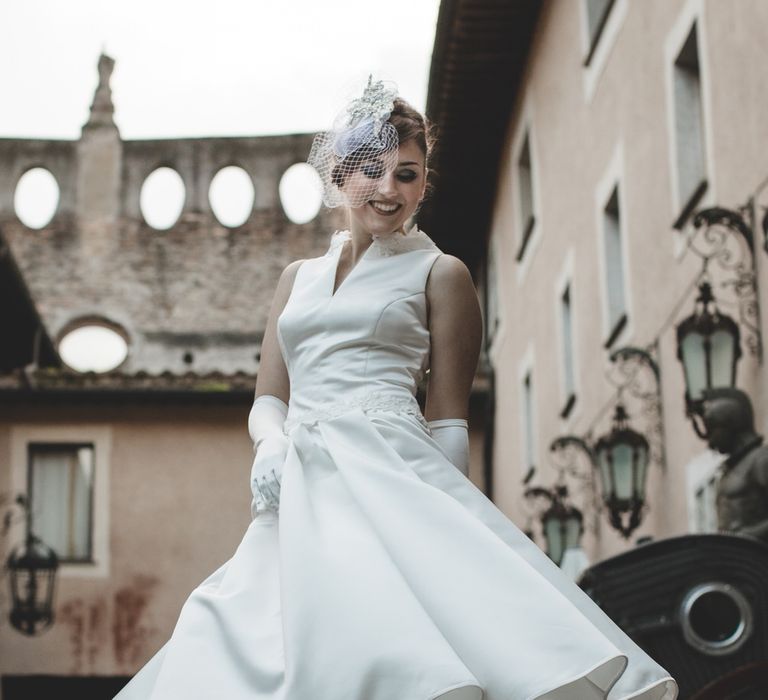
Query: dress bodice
point(366, 344)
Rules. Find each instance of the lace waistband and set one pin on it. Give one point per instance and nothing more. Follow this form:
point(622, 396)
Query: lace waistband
point(373, 401)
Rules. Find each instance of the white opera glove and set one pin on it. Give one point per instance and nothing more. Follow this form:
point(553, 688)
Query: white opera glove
point(270, 443)
point(452, 434)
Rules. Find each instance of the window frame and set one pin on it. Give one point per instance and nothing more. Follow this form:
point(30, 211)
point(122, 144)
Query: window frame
point(691, 16)
point(41, 447)
point(617, 324)
point(526, 201)
point(567, 350)
point(98, 434)
point(613, 179)
point(525, 234)
point(687, 201)
point(528, 422)
point(593, 39)
point(596, 53)
point(493, 300)
point(563, 284)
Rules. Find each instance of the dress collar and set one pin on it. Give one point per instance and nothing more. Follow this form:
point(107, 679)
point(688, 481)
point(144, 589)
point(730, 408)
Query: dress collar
point(389, 244)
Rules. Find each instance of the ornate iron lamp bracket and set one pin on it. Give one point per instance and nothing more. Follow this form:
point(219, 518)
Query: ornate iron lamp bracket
point(723, 236)
point(629, 378)
point(566, 450)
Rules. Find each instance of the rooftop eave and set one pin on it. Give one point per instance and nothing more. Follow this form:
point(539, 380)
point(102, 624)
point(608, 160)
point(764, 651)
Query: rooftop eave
point(481, 48)
point(92, 387)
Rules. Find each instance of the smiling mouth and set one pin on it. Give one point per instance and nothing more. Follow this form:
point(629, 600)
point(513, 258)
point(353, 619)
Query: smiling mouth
point(385, 208)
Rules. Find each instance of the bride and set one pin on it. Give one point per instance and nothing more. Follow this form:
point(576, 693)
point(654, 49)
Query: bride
point(373, 569)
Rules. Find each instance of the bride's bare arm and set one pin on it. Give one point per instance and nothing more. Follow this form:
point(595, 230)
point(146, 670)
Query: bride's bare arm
point(455, 327)
point(273, 376)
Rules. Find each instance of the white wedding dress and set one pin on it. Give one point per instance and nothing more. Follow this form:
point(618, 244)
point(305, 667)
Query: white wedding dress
point(386, 575)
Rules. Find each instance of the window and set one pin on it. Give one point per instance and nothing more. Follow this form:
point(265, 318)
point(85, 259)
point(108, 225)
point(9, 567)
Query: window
point(93, 345)
point(61, 497)
point(492, 316)
point(528, 438)
point(705, 511)
point(702, 474)
point(525, 191)
point(566, 323)
point(597, 12)
point(689, 127)
point(614, 268)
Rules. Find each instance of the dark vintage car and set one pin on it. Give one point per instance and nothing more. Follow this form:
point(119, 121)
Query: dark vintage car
point(698, 604)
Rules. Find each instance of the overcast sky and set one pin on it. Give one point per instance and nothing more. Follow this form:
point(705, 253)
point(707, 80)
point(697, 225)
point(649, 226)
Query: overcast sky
point(229, 67)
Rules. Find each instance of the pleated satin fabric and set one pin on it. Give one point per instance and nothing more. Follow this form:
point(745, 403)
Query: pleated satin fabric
point(386, 574)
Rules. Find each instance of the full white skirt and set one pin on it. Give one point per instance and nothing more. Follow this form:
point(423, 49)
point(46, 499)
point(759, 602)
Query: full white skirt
point(389, 576)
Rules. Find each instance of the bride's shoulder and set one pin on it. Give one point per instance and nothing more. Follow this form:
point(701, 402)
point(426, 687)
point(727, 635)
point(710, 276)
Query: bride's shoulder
point(448, 268)
point(288, 275)
point(452, 299)
point(448, 277)
point(292, 268)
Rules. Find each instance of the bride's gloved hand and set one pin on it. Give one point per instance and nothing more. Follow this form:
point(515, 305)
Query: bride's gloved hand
point(265, 425)
point(452, 434)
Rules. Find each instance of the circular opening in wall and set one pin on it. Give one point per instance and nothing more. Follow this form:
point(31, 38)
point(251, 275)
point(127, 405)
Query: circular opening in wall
point(93, 348)
point(36, 198)
point(716, 618)
point(301, 193)
point(231, 196)
point(162, 198)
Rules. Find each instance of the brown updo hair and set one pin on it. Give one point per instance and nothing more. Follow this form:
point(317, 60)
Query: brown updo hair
point(409, 124)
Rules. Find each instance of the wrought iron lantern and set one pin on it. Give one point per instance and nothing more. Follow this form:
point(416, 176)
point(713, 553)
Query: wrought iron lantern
point(708, 345)
point(562, 523)
point(622, 459)
point(32, 568)
point(32, 572)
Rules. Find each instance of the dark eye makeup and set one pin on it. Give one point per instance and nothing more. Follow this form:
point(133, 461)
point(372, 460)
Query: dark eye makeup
point(373, 171)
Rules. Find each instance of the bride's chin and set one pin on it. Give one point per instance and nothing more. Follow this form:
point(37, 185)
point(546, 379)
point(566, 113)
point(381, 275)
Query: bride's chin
point(386, 229)
point(374, 224)
point(386, 233)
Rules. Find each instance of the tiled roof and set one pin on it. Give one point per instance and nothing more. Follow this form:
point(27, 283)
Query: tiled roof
point(48, 384)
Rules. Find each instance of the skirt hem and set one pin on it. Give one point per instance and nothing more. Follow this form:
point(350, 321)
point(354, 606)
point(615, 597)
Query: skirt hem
point(472, 683)
point(585, 674)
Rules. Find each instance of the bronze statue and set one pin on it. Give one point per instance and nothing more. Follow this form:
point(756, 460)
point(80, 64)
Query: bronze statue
point(742, 491)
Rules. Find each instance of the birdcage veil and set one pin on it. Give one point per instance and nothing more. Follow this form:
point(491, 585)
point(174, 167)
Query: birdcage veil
point(359, 149)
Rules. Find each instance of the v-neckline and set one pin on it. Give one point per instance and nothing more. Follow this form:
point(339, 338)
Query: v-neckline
point(335, 268)
point(380, 246)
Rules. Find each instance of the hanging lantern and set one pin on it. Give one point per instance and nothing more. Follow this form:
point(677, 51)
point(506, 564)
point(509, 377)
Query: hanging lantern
point(708, 347)
point(622, 460)
point(562, 523)
point(32, 568)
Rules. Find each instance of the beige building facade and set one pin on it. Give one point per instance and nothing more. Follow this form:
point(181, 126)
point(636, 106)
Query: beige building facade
point(629, 117)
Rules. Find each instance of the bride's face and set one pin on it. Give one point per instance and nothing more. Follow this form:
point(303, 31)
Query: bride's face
point(395, 195)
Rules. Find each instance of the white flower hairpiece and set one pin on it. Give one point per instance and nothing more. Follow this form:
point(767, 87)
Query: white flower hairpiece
point(359, 150)
point(375, 104)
